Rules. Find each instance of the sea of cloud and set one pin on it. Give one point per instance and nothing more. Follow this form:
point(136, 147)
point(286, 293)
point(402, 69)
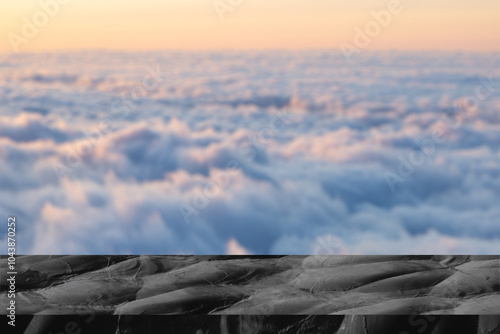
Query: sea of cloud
point(251, 152)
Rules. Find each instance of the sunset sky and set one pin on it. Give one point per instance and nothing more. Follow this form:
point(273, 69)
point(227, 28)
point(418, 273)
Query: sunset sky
point(253, 24)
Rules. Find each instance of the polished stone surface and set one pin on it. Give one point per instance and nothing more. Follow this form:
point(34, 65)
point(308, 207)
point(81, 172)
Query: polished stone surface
point(252, 285)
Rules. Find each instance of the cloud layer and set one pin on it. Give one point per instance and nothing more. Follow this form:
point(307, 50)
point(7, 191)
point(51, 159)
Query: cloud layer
point(264, 153)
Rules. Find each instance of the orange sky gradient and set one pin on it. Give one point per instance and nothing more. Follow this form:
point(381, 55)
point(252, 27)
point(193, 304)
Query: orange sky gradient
point(251, 24)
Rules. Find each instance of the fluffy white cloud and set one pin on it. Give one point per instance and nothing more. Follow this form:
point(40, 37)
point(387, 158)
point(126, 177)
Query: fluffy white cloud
point(251, 153)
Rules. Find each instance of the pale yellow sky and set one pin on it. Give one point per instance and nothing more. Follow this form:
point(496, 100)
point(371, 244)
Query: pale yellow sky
point(250, 24)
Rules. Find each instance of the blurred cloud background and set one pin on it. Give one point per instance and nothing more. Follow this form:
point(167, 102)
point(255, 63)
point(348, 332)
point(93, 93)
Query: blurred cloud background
point(117, 115)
